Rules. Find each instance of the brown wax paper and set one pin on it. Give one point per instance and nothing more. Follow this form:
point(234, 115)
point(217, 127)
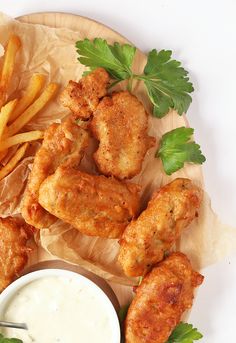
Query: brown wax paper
point(52, 52)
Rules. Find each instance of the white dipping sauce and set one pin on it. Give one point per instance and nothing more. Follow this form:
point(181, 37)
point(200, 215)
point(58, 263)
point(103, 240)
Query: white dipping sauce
point(59, 309)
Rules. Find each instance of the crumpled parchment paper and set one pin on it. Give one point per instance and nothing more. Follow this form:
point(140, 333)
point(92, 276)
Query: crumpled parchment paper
point(52, 52)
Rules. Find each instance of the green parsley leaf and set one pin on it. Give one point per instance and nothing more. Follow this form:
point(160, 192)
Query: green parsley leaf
point(184, 333)
point(9, 340)
point(124, 53)
point(176, 149)
point(116, 59)
point(167, 83)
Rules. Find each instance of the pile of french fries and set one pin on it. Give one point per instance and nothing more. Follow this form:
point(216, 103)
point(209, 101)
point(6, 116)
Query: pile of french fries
point(16, 113)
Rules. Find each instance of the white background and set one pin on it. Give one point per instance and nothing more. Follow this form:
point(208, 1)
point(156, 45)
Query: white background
point(202, 35)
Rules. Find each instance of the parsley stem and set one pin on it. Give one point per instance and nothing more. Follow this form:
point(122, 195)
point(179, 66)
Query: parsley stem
point(144, 77)
point(140, 77)
point(130, 84)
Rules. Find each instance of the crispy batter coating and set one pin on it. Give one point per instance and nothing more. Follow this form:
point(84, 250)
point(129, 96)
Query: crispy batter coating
point(120, 123)
point(95, 205)
point(169, 212)
point(83, 97)
point(13, 250)
point(63, 144)
point(164, 294)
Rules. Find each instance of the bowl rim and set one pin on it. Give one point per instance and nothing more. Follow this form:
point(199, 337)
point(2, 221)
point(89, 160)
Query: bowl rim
point(24, 280)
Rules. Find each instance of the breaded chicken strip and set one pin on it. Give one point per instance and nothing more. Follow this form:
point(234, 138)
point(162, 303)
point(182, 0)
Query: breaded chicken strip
point(95, 205)
point(83, 97)
point(13, 250)
point(169, 212)
point(120, 123)
point(164, 294)
point(63, 144)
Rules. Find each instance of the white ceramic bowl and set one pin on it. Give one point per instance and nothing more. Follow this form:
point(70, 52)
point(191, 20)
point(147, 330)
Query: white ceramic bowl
point(11, 290)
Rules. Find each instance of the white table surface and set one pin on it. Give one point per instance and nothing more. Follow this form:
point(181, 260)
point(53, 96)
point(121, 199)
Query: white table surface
point(202, 35)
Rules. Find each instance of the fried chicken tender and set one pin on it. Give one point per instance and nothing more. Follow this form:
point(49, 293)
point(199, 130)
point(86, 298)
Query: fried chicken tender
point(95, 205)
point(63, 144)
point(145, 240)
point(13, 250)
point(83, 97)
point(120, 123)
point(164, 294)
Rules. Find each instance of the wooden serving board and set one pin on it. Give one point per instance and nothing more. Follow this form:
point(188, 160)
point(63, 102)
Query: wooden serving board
point(150, 180)
point(89, 28)
point(72, 22)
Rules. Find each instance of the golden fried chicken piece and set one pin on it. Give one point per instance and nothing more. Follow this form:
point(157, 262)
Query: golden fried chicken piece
point(63, 144)
point(13, 250)
point(164, 294)
point(120, 123)
point(169, 212)
point(95, 205)
point(83, 97)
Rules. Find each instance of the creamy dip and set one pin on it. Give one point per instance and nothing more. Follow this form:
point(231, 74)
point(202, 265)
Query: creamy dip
point(60, 309)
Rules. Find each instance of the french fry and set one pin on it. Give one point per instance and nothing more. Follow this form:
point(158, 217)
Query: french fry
point(3, 154)
point(31, 93)
point(5, 114)
point(32, 110)
point(13, 46)
point(8, 168)
point(20, 138)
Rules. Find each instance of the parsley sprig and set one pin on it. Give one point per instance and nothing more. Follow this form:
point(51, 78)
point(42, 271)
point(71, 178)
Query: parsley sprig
point(166, 82)
point(176, 148)
point(184, 333)
point(9, 340)
point(116, 59)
